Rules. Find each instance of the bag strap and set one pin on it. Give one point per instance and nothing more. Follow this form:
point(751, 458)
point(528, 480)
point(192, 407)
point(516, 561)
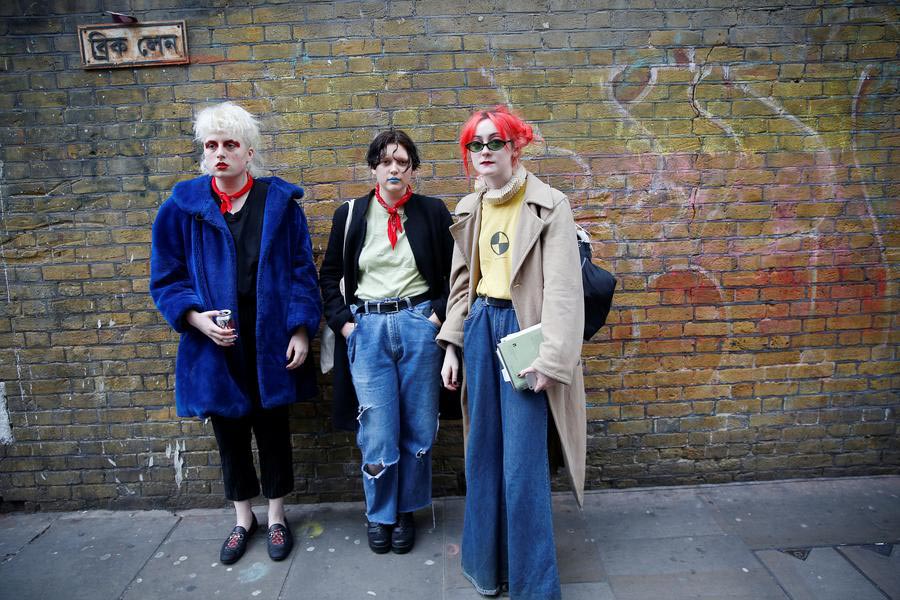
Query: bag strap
point(346, 230)
point(583, 235)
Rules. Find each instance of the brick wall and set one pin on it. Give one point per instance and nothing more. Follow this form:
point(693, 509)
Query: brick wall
point(736, 163)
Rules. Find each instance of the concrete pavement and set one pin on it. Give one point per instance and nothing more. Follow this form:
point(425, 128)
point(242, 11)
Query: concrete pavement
point(825, 539)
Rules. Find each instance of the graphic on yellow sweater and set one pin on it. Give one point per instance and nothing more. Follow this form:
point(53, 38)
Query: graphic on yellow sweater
point(495, 241)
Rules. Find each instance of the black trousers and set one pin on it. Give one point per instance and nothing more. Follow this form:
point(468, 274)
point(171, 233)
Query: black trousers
point(273, 440)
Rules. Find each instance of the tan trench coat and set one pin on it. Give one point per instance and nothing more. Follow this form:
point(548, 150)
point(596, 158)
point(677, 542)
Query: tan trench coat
point(545, 257)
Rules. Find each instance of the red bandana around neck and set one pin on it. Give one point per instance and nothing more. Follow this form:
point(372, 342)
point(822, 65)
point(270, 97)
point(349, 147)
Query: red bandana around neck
point(227, 199)
point(395, 224)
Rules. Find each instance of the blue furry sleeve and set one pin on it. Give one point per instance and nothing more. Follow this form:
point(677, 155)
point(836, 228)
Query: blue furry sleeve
point(305, 307)
point(170, 282)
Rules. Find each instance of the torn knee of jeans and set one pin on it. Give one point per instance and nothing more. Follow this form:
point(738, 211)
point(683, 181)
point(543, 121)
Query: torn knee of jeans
point(422, 452)
point(376, 470)
point(362, 409)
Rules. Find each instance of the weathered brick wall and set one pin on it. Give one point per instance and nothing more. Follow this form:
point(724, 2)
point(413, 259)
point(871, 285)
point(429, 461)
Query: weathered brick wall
point(736, 163)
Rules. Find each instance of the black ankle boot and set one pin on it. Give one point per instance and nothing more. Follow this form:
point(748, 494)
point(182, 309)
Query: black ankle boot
point(379, 537)
point(404, 534)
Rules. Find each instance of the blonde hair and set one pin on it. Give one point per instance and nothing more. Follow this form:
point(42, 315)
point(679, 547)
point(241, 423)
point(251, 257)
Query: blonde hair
point(232, 120)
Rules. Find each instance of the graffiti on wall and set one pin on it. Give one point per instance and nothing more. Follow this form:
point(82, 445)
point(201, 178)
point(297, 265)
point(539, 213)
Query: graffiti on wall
point(679, 217)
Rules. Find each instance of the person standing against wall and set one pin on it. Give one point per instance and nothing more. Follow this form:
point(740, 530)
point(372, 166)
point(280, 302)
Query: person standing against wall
point(385, 292)
point(515, 264)
point(228, 240)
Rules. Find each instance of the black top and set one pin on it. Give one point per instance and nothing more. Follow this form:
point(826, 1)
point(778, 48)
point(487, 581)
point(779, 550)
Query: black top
point(246, 227)
point(427, 228)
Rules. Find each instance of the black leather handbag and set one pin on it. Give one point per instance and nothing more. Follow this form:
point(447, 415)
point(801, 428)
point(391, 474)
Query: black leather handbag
point(599, 287)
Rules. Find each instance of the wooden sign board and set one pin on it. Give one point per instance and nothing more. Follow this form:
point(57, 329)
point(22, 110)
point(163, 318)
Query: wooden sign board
point(113, 45)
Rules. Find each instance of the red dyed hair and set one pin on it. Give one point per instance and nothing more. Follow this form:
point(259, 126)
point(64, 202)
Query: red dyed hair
point(510, 127)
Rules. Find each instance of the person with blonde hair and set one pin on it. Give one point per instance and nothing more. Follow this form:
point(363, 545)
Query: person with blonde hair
point(232, 241)
point(515, 265)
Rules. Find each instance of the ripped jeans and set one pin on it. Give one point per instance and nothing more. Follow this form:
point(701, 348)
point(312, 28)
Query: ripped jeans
point(396, 365)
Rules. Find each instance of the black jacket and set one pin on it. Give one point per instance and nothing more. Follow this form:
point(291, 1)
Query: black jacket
point(427, 228)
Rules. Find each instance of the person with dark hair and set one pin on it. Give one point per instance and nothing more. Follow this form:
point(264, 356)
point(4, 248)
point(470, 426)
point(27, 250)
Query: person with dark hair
point(229, 240)
point(384, 280)
point(515, 265)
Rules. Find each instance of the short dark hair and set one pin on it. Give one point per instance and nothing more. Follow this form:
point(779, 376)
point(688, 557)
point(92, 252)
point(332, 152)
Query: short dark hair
point(386, 138)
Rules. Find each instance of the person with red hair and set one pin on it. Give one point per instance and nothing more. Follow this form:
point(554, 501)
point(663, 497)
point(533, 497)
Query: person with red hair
point(515, 265)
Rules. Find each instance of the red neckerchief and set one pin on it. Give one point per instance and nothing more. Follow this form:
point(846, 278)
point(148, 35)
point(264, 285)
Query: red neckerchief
point(227, 199)
point(395, 224)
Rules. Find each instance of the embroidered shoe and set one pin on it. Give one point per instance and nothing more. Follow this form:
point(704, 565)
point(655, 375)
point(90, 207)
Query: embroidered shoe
point(379, 537)
point(280, 541)
point(404, 535)
point(236, 544)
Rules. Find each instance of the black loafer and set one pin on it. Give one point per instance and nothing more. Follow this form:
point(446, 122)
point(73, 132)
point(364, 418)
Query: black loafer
point(280, 541)
point(404, 535)
point(379, 537)
point(236, 544)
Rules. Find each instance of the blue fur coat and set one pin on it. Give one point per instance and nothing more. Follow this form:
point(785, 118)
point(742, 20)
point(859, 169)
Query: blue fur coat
point(193, 266)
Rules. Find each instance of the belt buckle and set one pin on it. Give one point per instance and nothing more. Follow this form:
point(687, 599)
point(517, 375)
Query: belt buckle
point(387, 307)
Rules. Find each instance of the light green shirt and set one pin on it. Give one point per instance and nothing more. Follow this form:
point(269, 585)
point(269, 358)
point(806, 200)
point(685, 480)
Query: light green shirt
point(386, 272)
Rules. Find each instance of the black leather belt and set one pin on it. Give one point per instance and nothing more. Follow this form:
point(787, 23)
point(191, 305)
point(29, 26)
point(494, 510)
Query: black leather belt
point(390, 306)
point(497, 302)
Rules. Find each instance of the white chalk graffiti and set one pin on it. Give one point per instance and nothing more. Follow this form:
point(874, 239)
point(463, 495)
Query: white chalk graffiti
point(6, 435)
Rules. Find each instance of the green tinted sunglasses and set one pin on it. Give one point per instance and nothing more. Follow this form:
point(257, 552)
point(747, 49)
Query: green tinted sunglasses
point(493, 145)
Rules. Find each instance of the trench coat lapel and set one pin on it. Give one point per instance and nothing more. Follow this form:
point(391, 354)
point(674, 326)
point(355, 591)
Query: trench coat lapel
point(465, 235)
point(530, 225)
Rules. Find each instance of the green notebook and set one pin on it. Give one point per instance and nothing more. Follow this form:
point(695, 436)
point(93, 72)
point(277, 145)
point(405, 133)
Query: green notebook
point(517, 351)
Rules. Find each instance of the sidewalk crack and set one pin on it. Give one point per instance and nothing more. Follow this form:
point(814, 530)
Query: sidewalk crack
point(11, 555)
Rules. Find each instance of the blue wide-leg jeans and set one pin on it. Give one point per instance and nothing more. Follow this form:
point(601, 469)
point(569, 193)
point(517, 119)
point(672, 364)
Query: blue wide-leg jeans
point(396, 368)
point(508, 527)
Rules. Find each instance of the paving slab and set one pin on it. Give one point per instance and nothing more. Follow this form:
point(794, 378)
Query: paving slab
point(596, 590)
point(804, 513)
point(884, 506)
point(456, 586)
point(823, 575)
point(577, 552)
point(452, 510)
point(672, 543)
point(692, 587)
point(882, 570)
point(333, 561)
point(189, 569)
point(657, 513)
point(17, 530)
point(717, 566)
point(86, 556)
point(204, 524)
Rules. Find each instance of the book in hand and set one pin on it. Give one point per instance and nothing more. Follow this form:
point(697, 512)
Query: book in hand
point(516, 352)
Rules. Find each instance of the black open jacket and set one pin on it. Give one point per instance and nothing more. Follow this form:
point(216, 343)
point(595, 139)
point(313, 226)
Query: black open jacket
point(427, 228)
